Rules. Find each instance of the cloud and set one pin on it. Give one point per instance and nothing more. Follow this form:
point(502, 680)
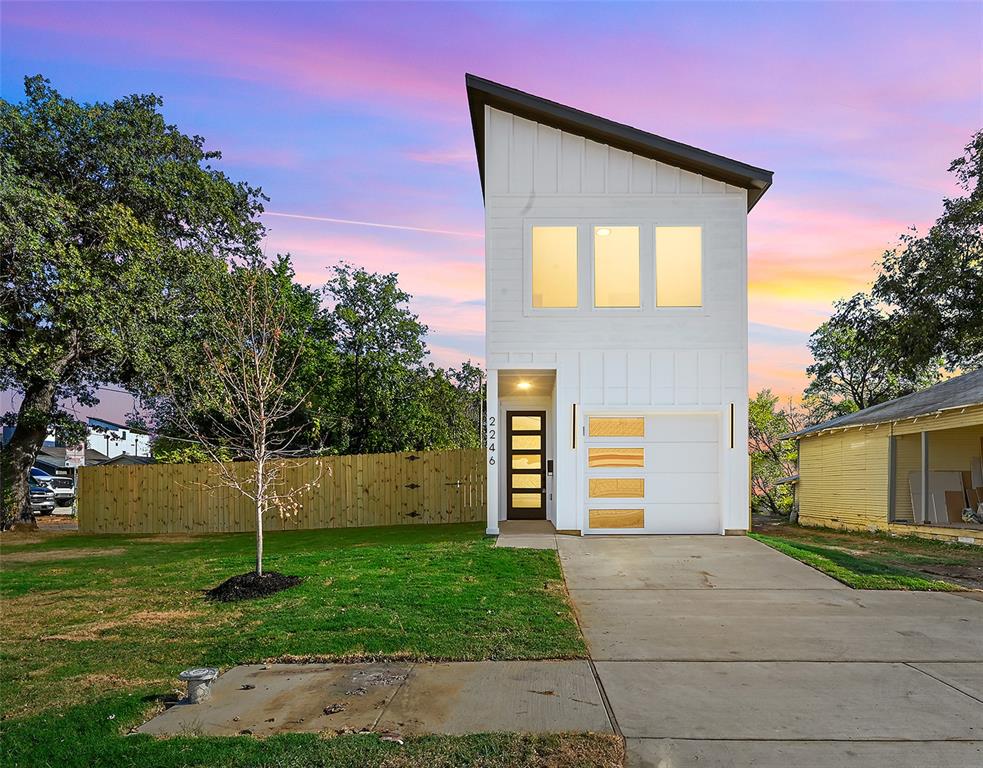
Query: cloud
point(463, 158)
point(375, 224)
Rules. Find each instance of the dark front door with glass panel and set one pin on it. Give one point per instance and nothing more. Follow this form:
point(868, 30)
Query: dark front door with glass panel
point(527, 464)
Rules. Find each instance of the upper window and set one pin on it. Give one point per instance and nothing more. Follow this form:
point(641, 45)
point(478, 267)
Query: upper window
point(678, 267)
point(616, 274)
point(554, 266)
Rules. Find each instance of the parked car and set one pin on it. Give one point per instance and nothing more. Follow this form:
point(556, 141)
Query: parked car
point(42, 499)
point(63, 487)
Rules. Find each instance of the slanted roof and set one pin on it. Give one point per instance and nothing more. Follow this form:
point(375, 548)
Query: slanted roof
point(126, 458)
point(958, 392)
point(54, 455)
point(104, 425)
point(483, 93)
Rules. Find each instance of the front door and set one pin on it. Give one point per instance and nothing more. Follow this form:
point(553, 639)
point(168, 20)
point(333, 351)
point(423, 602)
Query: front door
point(526, 435)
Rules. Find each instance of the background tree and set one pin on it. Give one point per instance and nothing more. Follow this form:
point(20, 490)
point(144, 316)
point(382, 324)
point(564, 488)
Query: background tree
point(934, 282)
point(381, 350)
point(109, 219)
point(449, 408)
point(370, 376)
point(772, 458)
point(924, 314)
point(860, 359)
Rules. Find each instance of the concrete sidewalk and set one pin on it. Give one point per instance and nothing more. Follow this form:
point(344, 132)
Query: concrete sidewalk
point(719, 652)
point(409, 699)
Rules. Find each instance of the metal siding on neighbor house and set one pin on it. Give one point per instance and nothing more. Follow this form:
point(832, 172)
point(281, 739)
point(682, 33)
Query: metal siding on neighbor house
point(843, 478)
point(843, 475)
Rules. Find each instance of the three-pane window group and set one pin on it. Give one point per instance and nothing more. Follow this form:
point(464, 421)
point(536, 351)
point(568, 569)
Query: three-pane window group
point(617, 274)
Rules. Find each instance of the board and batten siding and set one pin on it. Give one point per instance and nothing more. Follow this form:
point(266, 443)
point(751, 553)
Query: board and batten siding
point(650, 359)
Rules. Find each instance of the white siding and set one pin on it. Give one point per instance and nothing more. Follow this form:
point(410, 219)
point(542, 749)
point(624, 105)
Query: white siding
point(649, 360)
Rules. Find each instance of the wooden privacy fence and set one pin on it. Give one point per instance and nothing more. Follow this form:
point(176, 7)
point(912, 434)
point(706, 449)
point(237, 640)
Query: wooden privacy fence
point(350, 491)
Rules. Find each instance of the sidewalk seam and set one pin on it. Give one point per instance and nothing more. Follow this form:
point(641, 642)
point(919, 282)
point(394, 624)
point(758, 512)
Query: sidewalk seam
point(590, 660)
point(940, 680)
point(384, 709)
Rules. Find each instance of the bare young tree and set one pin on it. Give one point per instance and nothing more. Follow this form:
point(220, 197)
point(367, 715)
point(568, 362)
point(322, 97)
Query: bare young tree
point(239, 401)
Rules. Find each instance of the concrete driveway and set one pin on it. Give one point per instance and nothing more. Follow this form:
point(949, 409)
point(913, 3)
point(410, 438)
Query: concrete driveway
point(720, 651)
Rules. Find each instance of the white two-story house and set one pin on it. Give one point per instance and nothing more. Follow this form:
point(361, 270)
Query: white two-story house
point(616, 337)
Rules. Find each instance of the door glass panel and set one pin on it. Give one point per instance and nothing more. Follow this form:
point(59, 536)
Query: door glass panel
point(617, 518)
point(526, 423)
point(616, 457)
point(527, 481)
point(526, 442)
point(616, 274)
point(617, 487)
point(616, 427)
point(526, 462)
point(526, 500)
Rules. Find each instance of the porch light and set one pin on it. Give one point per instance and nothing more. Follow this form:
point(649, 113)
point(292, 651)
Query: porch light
point(523, 385)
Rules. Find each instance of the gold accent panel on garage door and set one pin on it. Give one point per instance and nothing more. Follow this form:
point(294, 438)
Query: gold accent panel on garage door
point(607, 426)
point(616, 487)
point(617, 518)
point(615, 457)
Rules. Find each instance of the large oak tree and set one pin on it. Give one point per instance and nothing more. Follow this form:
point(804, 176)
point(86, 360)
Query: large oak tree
point(109, 217)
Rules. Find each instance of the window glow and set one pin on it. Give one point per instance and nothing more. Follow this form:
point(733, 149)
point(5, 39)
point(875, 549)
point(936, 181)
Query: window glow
point(678, 267)
point(526, 501)
point(529, 423)
point(554, 266)
point(616, 275)
point(528, 461)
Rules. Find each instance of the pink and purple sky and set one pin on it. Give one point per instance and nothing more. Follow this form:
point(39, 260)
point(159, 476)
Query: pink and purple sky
point(358, 112)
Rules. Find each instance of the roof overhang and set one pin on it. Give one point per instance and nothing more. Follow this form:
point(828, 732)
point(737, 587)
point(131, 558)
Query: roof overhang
point(482, 93)
point(834, 426)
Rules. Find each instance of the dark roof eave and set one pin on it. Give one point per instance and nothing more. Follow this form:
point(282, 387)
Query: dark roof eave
point(483, 92)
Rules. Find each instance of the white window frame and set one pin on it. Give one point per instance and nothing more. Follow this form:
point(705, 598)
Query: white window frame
point(645, 266)
point(527, 308)
point(647, 274)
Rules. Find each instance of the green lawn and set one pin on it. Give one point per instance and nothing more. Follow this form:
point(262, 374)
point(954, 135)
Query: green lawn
point(874, 561)
point(95, 630)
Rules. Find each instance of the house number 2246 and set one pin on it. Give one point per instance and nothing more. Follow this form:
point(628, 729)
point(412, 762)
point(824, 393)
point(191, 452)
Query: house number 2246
point(491, 440)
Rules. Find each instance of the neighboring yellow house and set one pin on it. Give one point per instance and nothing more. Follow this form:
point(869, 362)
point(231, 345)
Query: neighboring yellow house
point(910, 466)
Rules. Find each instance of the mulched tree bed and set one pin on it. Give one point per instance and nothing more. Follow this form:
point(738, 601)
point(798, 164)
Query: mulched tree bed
point(247, 586)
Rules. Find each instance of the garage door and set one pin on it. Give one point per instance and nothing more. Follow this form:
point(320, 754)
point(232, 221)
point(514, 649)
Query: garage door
point(653, 474)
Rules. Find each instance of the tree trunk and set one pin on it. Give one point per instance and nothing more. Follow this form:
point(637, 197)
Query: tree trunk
point(19, 454)
point(260, 504)
point(360, 422)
